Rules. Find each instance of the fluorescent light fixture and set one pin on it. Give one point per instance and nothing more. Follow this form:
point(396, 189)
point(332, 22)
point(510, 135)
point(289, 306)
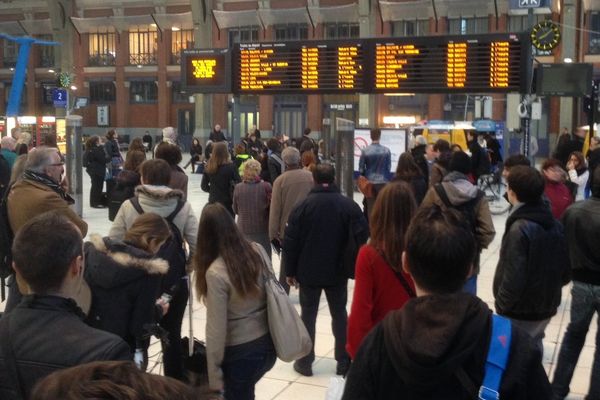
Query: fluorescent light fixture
point(11, 122)
point(48, 118)
point(27, 120)
point(399, 119)
point(73, 87)
point(175, 29)
point(399, 94)
point(568, 60)
point(51, 71)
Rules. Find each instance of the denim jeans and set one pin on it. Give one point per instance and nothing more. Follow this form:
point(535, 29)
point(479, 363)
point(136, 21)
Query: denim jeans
point(535, 329)
point(584, 303)
point(470, 286)
point(244, 365)
point(337, 297)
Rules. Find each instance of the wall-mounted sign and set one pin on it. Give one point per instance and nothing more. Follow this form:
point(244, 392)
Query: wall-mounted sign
point(103, 116)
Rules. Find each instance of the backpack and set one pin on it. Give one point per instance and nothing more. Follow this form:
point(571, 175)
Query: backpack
point(6, 239)
point(467, 209)
point(172, 250)
point(117, 196)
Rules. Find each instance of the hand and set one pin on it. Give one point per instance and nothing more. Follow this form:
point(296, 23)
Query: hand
point(138, 359)
point(291, 280)
point(570, 165)
point(163, 305)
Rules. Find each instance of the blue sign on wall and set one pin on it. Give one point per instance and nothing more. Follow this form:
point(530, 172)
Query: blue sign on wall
point(59, 98)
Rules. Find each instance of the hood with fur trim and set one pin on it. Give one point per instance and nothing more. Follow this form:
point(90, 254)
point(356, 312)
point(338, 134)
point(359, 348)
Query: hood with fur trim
point(112, 263)
point(158, 192)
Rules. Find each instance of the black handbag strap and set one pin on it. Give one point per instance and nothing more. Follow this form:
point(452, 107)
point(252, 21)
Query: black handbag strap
point(409, 290)
point(9, 355)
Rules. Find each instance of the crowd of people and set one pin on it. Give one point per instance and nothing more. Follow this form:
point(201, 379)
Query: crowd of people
point(80, 315)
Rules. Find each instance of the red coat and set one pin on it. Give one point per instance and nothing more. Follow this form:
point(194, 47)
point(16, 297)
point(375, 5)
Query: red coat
point(377, 290)
point(560, 197)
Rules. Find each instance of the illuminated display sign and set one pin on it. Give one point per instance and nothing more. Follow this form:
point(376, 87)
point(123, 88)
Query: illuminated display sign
point(326, 67)
point(206, 70)
point(433, 64)
point(456, 64)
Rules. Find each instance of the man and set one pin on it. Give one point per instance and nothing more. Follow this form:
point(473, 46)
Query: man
point(513, 161)
point(39, 191)
point(480, 160)
point(289, 189)
point(306, 143)
point(582, 229)
point(217, 135)
point(316, 237)
point(274, 161)
point(7, 150)
point(147, 140)
point(436, 345)
point(457, 192)
point(534, 264)
point(15, 133)
point(375, 164)
point(418, 152)
point(170, 135)
point(46, 332)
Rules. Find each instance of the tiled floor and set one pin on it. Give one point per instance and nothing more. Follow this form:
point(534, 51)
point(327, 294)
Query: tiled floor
point(283, 383)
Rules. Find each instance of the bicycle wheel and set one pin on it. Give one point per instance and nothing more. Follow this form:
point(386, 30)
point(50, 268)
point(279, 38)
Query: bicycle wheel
point(494, 192)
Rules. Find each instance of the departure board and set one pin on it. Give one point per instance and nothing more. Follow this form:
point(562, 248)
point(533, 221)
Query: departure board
point(206, 70)
point(317, 67)
point(440, 64)
point(429, 64)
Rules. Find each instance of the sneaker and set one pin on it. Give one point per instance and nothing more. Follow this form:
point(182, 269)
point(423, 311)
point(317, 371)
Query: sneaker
point(303, 370)
point(342, 367)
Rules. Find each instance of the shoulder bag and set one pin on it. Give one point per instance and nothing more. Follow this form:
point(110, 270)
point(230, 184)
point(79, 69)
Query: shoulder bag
point(289, 335)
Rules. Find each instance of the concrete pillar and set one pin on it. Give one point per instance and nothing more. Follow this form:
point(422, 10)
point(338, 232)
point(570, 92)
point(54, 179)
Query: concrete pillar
point(367, 25)
point(568, 49)
point(203, 29)
point(64, 33)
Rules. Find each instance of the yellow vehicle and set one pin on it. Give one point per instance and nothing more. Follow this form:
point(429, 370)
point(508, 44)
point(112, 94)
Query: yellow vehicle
point(453, 132)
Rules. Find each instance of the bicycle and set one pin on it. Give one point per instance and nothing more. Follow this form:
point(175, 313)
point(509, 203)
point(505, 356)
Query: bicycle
point(494, 189)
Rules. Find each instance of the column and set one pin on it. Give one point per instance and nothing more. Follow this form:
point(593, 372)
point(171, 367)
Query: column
point(568, 49)
point(203, 38)
point(164, 88)
point(367, 25)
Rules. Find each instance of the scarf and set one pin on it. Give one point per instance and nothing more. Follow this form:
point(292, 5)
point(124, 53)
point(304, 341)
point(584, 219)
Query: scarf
point(47, 181)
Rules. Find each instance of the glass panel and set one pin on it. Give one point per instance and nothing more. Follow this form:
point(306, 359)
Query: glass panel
point(11, 51)
point(102, 92)
point(180, 40)
point(102, 48)
point(595, 33)
point(143, 92)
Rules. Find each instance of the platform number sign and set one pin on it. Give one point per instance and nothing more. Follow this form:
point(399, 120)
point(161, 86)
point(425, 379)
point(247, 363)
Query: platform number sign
point(59, 98)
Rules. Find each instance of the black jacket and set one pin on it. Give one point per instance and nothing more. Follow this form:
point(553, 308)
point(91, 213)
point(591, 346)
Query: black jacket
point(95, 161)
point(582, 229)
point(418, 185)
point(418, 153)
point(533, 265)
point(112, 148)
point(431, 338)
point(125, 283)
point(47, 333)
point(480, 161)
point(316, 236)
point(276, 166)
point(220, 185)
point(127, 181)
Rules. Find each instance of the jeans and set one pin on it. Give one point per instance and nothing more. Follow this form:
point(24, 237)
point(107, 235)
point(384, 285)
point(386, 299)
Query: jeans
point(584, 303)
point(470, 285)
point(535, 329)
point(244, 365)
point(337, 297)
point(96, 190)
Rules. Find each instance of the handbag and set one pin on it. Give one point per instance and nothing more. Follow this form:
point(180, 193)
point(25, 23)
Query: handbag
point(365, 186)
point(289, 335)
point(335, 390)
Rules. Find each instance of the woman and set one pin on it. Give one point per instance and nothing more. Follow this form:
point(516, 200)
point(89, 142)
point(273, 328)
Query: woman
point(251, 200)
point(154, 196)
point(578, 173)
point(555, 189)
point(94, 161)
point(409, 172)
point(456, 148)
point(172, 155)
point(126, 182)
point(124, 278)
point(220, 177)
point(195, 153)
point(309, 161)
point(111, 147)
point(380, 284)
point(229, 277)
point(137, 144)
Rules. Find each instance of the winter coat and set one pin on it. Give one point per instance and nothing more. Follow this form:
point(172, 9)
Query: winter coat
point(460, 191)
point(112, 148)
point(418, 185)
point(95, 161)
point(125, 283)
point(560, 197)
point(417, 355)
point(52, 336)
point(220, 184)
point(288, 191)
point(316, 236)
point(160, 200)
point(480, 160)
point(179, 180)
point(582, 229)
point(418, 153)
point(533, 265)
point(276, 166)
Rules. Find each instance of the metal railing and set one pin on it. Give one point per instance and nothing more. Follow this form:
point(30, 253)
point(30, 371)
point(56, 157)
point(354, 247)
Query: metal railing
point(142, 59)
point(101, 60)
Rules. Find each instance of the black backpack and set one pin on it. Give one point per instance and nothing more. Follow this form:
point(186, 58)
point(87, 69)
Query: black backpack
point(172, 250)
point(467, 209)
point(117, 196)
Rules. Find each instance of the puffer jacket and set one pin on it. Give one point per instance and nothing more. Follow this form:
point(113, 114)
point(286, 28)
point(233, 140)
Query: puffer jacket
point(160, 200)
point(582, 229)
point(533, 266)
point(125, 283)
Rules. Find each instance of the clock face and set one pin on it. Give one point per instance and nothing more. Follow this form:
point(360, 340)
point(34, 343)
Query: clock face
point(545, 35)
